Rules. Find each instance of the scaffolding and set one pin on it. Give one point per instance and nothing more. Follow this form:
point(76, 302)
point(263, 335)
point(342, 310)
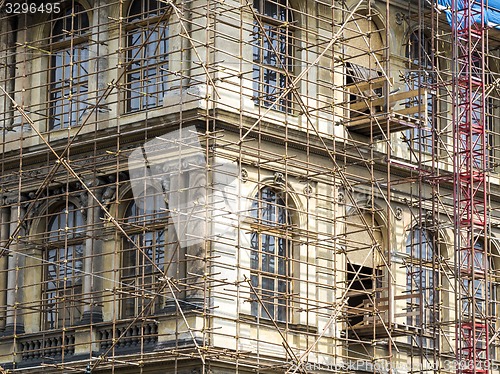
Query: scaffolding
point(469, 176)
point(248, 186)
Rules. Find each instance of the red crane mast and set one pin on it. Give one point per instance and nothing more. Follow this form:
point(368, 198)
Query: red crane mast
point(470, 185)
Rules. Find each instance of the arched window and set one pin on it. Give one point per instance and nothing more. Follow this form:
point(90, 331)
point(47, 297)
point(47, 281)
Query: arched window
point(362, 60)
point(363, 238)
point(421, 68)
point(147, 61)
point(419, 50)
point(270, 256)
point(478, 298)
point(273, 40)
point(485, 302)
point(421, 279)
point(143, 257)
point(69, 68)
point(62, 289)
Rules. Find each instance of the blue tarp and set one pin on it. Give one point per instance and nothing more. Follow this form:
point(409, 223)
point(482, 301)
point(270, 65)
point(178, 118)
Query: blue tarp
point(491, 13)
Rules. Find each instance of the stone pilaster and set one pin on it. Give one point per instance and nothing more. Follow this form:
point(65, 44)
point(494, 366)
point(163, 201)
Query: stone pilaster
point(196, 235)
point(4, 238)
point(14, 321)
point(92, 262)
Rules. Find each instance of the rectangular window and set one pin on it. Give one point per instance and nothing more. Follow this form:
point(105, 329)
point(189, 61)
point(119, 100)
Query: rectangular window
point(273, 44)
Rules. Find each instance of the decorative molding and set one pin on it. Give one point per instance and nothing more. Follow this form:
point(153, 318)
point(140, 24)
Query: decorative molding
point(83, 200)
point(35, 208)
point(399, 257)
point(13, 199)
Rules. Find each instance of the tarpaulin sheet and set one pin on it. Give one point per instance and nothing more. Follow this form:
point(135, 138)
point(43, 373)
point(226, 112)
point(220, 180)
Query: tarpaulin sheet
point(491, 11)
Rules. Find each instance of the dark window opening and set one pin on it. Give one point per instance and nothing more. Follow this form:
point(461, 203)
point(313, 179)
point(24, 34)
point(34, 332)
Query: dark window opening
point(357, 74)
point(362, 291)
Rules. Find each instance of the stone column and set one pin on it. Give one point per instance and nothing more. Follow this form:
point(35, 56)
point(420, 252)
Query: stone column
point(14, 321)
point(92, 261)
point(99, 65)
point(196, 234)
point(175, 251)
point(7, 72)
point(4, 237)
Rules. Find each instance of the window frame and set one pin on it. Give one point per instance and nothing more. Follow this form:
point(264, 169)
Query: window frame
point(145, 27)
point(261, 69)
point(264, 231)
point(421, 64)
point(421, 256)
point(138, 275)
point(66, 284)
point(61, 90)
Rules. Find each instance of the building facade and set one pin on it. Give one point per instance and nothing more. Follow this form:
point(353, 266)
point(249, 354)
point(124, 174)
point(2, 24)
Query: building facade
point(238, 186)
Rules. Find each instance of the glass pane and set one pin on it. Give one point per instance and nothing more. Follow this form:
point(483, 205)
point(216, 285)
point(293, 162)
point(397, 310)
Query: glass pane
point(268, 243)
point(419, 244)
point(255, 304)
point(129, 258)
point(75, 20)
point(268, 295)
point(282, 300)
point(69, 76)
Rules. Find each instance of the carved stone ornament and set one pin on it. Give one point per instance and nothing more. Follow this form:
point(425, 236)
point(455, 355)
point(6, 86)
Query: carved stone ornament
point(398, 213)
point(108, 195)
point(341, 197)
point(279, 179)
point(244, 175)
point(399, 18)
point(308, 190)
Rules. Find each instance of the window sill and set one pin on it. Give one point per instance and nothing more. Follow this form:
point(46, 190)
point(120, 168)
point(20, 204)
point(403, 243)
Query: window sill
point(137, 117)
point(290, 327)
